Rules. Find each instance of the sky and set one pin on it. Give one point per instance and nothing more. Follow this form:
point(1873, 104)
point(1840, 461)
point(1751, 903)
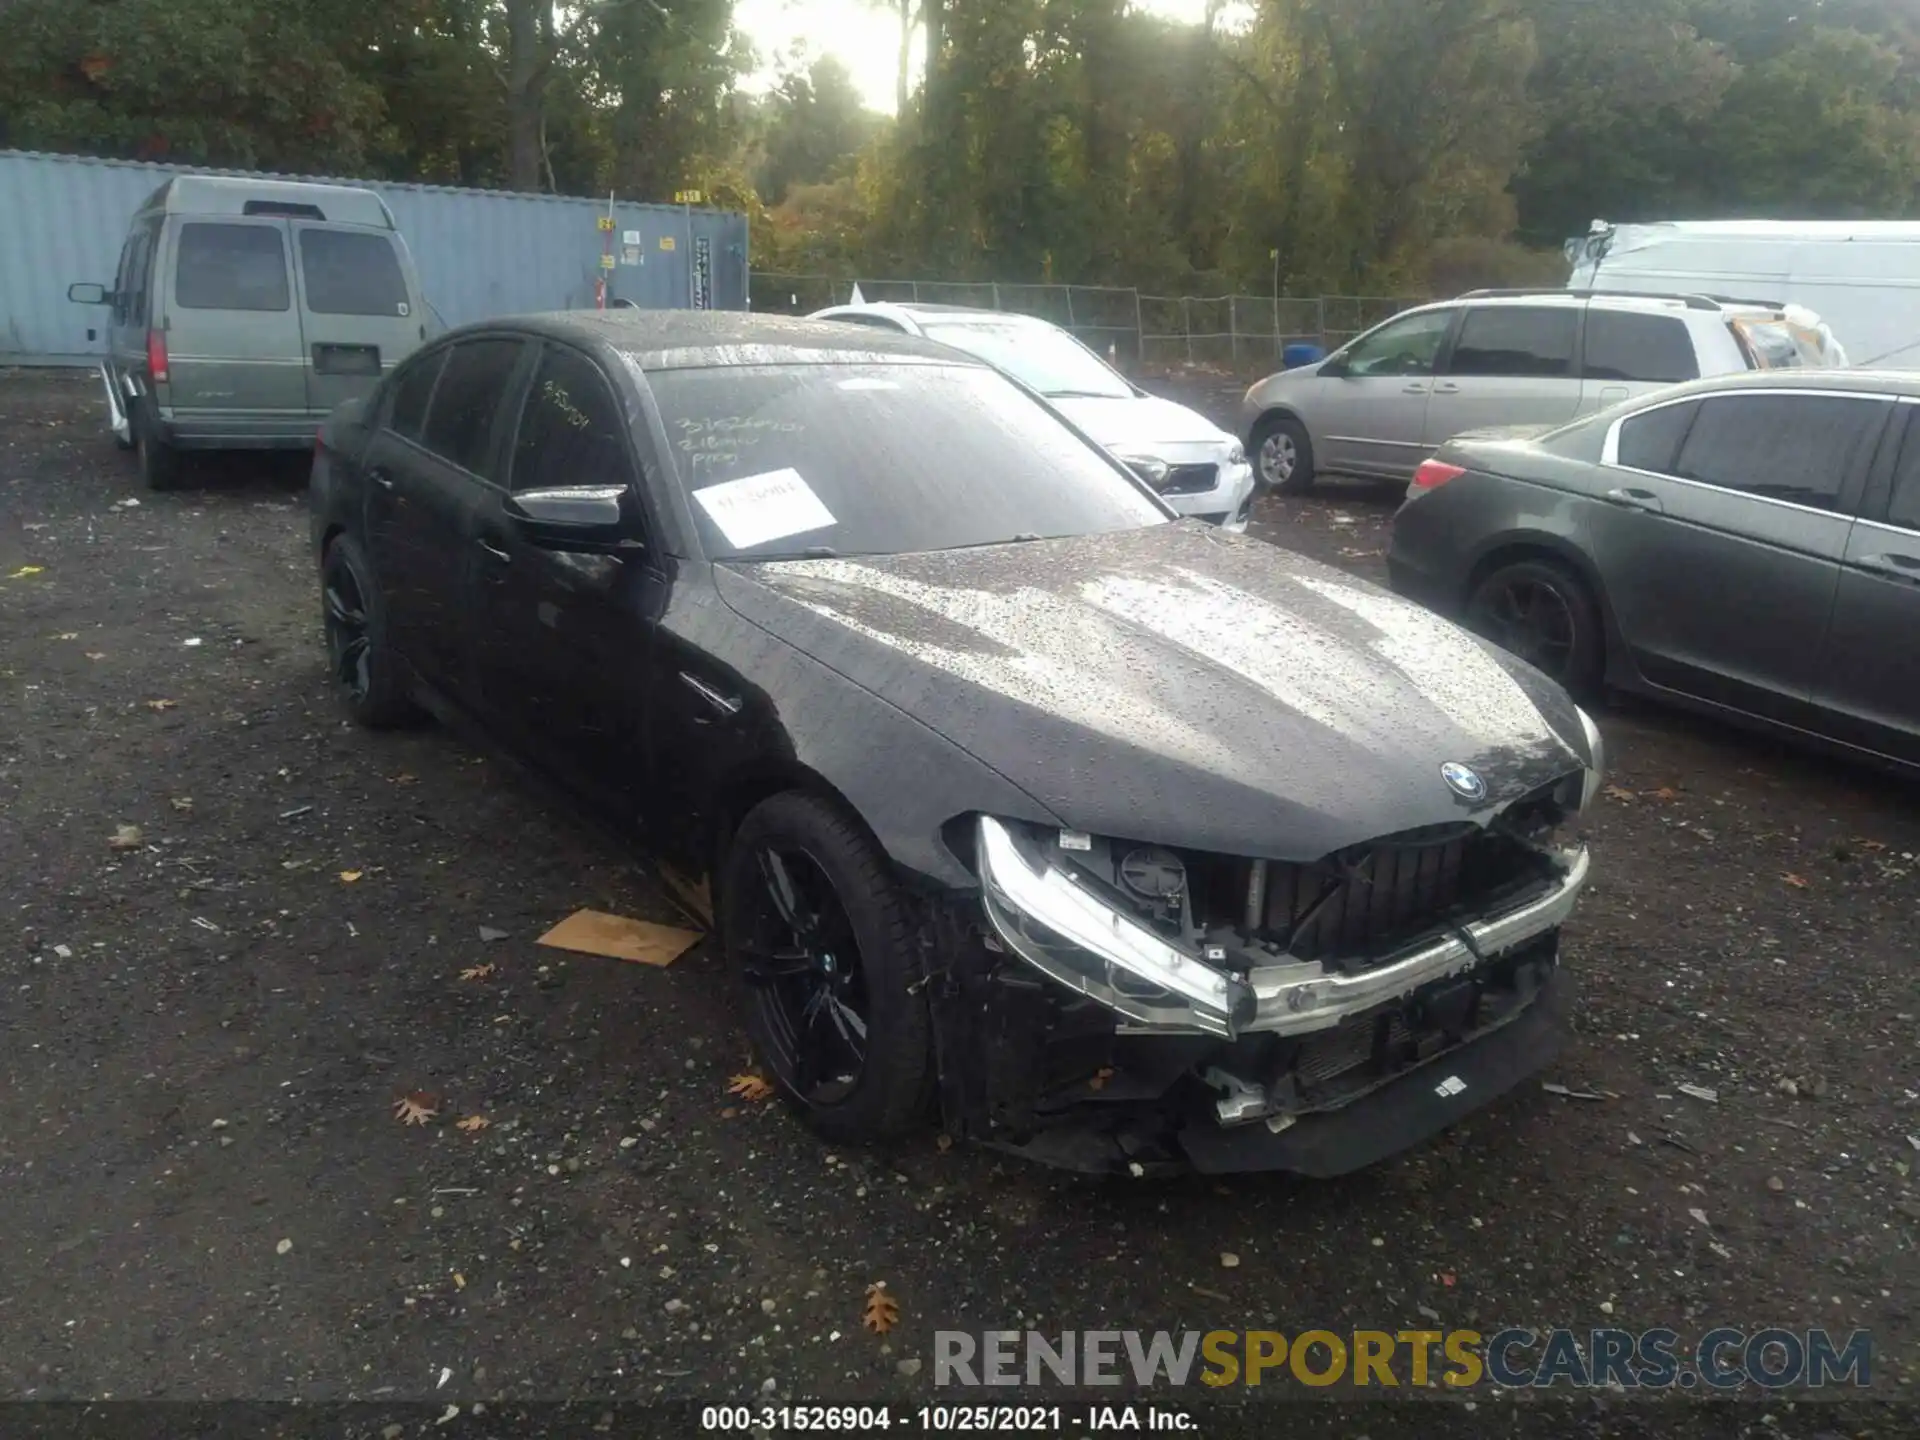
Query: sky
point(864, 37)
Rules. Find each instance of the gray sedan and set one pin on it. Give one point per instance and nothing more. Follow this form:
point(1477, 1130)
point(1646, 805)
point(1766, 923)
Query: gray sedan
point(1747, 546)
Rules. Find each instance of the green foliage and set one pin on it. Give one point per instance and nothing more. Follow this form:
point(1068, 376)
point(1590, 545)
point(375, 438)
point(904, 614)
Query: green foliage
point(1316, 145)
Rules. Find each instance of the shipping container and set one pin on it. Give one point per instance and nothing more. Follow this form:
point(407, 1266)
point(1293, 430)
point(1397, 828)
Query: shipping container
point(480, 253)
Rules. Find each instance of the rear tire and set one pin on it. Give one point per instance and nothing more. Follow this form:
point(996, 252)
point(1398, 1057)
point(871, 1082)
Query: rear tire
point(159, 462)
point(1544, 613)
point(354, 612)
point(1282, 455)
point(831, 1004)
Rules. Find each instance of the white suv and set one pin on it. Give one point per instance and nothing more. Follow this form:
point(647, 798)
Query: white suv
point(1197, 468)
point(1494, 358)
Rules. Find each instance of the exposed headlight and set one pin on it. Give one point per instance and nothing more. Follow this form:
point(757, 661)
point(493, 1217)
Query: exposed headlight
point(1153, 471)
point(1053, 920)
point(1597, 759)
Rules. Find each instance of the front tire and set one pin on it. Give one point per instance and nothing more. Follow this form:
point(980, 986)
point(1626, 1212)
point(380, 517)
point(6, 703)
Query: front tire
point(1283, 455)
point(359, 659)
point(1545, 614)
point(817, 928)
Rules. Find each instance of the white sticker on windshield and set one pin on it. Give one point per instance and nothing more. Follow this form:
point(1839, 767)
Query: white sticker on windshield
point(758, 508)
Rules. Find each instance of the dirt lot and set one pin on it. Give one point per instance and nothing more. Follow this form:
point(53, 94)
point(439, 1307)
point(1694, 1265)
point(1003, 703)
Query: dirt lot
point(207, 1193)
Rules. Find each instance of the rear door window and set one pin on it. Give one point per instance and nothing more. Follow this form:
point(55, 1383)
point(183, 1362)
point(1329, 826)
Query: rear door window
point(412, 387)
point(472, 387)
point(570, 429)
point(231, 267)
point(1798, 448)
point(1904, 508)
point(351, 272)
point(1639, 349)
point(1650, 440)
point(1516, 341)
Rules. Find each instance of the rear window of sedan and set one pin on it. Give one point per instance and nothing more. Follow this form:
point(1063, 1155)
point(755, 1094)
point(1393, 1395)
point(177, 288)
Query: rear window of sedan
point(786, 460)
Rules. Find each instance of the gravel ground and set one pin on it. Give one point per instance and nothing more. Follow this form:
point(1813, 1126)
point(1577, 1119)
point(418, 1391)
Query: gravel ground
point(207, 1193)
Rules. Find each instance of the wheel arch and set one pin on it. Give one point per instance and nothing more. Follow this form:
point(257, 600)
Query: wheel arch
point(1516, 546)
point(760, 780)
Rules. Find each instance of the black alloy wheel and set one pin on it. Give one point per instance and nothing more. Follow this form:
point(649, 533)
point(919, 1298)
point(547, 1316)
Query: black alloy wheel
point(357, 658)
point(1542, 613)
point(816, 928)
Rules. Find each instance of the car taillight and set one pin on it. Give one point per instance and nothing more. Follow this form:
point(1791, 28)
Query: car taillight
point(157, 356)
point(1435, 473)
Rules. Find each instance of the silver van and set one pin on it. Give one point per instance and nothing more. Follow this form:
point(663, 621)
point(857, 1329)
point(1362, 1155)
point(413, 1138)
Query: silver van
point(245, 310)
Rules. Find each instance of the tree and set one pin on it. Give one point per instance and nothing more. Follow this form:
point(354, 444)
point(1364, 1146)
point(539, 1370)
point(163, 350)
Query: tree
point(812, 128)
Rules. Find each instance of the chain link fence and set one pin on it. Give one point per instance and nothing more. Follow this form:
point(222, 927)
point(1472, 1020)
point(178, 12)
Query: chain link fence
point(1230, 331)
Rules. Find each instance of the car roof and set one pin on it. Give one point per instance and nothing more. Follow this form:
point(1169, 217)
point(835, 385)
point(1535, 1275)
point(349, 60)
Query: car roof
point(1604, 300)
point(695, 339)
point(1893, 383)
point(918, 308)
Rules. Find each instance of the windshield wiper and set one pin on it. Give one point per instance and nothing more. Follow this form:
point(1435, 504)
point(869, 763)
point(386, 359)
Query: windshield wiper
point(1086, 395)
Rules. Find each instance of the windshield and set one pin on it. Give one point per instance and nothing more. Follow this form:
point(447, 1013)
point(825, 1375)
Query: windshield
point(1038, 356)
point(791, 460)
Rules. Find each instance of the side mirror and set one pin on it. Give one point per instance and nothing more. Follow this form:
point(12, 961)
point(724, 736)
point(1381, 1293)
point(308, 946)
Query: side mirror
point(86, 293)
point(1334, 367)
point(587, 518)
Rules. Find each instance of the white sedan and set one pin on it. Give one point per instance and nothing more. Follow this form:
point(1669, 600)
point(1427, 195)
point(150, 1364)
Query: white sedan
point(1198, 468)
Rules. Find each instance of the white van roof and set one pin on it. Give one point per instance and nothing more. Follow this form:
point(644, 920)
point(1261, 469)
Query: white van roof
point(1763, 230)
point(243, 195)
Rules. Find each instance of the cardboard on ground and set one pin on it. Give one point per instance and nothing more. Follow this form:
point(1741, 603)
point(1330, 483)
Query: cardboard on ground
point(593, 932)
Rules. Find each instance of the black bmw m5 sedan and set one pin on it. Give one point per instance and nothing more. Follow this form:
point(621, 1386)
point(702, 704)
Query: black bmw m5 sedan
point(1108, 838)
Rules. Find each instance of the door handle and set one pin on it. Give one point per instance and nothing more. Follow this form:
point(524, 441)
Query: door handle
point(1415, 389)
point(493, 551)
point(1446, 389)
point(380, 478)
point(1637, 500)
point(1900, 567)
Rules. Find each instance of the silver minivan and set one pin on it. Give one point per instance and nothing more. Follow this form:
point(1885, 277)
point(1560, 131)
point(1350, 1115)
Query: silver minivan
point(1496, 358)
point(245, 310)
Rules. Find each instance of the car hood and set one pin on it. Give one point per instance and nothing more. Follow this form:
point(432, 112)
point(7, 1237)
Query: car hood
point(1140, 420)
point(1179, 684)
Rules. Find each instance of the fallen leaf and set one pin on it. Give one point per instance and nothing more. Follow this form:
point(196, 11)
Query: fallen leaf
point(403, 779)
point(1618, 792)
point(415, 1109)
point(125, 837)
point(476, 972)
point(1100, 1078)
point(459, 1281)
point(96, 654)
point(944, 1143)
point(472, 1124)
point(347, 877)
point(730, 1113)
point(70, 635)
point(25, 570)
point(161, 704)
point(1871, 844)
point(1665, 792)
point(749, 1086)
point(182, 803)
point(1798, 882)
point(883, 1311)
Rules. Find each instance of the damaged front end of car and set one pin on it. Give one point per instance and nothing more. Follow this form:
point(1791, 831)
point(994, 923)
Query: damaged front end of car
point(1117, 1006)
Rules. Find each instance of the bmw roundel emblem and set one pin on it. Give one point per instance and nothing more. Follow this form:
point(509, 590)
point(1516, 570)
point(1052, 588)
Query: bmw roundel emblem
point(1463, 780)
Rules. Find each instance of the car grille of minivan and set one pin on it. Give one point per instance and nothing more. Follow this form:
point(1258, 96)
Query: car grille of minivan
point(1190, 479)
